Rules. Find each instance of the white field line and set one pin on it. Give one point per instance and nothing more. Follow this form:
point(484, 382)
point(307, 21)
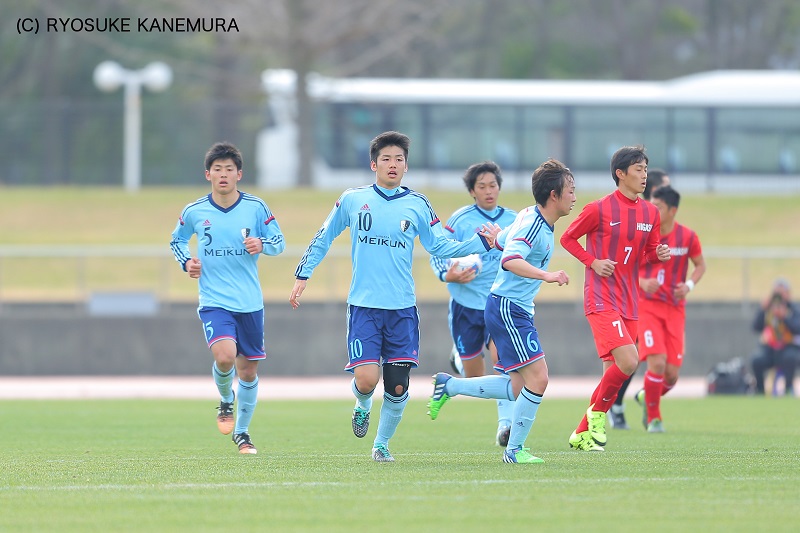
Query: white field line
point(270, 388)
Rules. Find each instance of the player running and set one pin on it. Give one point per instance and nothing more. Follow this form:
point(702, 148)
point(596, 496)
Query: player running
point(622, 231)
point(527, 249)
point(233, 229)
point(382, 321)
point(662, 308)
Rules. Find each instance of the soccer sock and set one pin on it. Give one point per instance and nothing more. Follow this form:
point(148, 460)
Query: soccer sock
point(653, 383)
point(505, 412)
point(583, 425)
point(363, 401)
point(246, 404)
point(391, 414)
point(525, 409)
point(224, 382)
point(666, 388)
point(612, 380)
point(498, 387)
point(622, 390)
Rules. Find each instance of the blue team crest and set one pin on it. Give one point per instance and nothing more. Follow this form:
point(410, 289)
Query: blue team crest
point(404, 225)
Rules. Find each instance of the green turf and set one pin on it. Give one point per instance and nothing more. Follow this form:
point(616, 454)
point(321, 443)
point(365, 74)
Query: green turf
point(725, 464)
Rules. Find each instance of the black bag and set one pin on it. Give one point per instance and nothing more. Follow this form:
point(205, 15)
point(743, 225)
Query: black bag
point(730, 377)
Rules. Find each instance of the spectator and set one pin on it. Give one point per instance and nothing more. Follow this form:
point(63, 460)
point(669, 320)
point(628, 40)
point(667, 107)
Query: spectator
point(778, 325)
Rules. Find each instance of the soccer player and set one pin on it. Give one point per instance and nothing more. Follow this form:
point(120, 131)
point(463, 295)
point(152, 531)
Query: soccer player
point(382, 321)
point(622, 231)
point(656, 178)
point(233, 229)
point(528, 246)
point(662, 307)
point(468, 291)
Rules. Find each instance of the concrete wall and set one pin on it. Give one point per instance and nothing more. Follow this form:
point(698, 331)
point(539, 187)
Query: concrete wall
point(58, 339)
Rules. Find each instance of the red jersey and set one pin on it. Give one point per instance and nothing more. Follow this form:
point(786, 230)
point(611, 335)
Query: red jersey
point(683, 245)
point(623, 230)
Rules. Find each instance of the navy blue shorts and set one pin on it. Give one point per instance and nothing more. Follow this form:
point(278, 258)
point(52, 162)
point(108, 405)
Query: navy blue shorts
point(468, 329)
point(245, 329)
point(513, 333)
point(380, 336)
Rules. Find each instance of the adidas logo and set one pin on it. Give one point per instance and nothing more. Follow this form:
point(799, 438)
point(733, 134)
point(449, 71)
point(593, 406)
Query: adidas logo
point(365, 207)
point(206, 223)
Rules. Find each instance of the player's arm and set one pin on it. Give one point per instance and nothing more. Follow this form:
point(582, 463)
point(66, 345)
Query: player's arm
point(654, 251)
point(179, 244)
point(522, 268)
point(433, 238)
point(699, 264)
point(271, 237)
point(588, 220)
point(334, 225)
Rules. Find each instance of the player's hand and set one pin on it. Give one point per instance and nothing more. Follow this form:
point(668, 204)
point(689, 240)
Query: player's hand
point(490, 231)
point(649, 285)
point(459, 276)
point(663, 253)
point(194, 268)
point(603, 267)
point(559, 277)
point(253, 245)
point(297, 291)
point(680, 292)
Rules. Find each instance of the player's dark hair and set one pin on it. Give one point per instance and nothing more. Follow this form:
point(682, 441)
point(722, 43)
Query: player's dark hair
point(475, 170)
point(668, 195)
point(625, 157)
point(552, 175)
point(221, 151)
point(655, 179)
point(388, 138)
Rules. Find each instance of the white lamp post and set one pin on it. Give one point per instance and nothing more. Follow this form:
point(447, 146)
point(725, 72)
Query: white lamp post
point(108, 76)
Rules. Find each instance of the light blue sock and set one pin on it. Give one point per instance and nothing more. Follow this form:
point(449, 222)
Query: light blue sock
point(391, 414)
point(246, 404)
point(363, 401)
point(481, 387)
point(505, 412)
point(224, 382)
point(525, 409)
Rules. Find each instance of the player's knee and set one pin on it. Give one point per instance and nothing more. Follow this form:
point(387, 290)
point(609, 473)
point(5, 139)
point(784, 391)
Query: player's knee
point(396, 378)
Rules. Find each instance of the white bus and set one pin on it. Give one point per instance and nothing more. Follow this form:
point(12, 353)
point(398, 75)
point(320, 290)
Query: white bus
point(720, 130)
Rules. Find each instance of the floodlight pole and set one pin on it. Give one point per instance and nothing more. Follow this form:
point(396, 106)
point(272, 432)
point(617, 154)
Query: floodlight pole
point(132, 152)
point(108, 76)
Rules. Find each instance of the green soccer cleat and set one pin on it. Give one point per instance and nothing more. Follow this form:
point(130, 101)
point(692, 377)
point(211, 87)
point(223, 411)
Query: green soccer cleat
point(640, 400)
point(597, 425)
point(520, 455)
point(360, 422)
point(583, 441)
point(439, 397)
point(655, 426)
point(380, 453)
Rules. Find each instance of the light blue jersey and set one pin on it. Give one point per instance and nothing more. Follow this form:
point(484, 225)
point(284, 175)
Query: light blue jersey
point(229, 276)
point(383, 225)
point(529, 237)
point(462, 225)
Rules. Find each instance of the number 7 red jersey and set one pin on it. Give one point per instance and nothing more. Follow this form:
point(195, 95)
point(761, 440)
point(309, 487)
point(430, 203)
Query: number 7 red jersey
point(623, 230)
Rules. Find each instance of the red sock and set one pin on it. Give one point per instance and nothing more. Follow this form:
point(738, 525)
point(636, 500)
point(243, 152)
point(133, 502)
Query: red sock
point(666, 388)
point(653, 384)
point(607, 391)
point(584, 423)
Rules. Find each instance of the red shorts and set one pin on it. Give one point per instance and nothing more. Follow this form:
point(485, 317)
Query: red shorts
point(611, 331)
point(662, 330)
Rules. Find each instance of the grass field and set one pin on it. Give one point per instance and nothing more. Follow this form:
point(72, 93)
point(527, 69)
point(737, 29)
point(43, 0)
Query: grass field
point(68, 219)
point(725, 464)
